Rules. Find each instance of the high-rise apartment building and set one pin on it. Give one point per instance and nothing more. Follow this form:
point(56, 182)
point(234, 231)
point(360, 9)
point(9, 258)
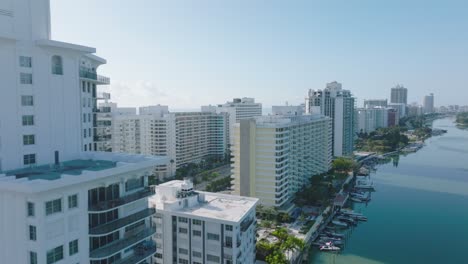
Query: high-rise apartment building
point(275, 156)
point(288, 109)
point(399, 95)
point(428, 104)
point(338, 104)
point(371, 103)
point(185, 137)
point(201, 227)
point(60, 202)
point(50, 89)
point(370, 119)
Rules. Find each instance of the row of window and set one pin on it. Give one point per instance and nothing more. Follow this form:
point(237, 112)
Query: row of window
point(56, 254)
point(54, 206)
point(211, 258)
point(26, 62)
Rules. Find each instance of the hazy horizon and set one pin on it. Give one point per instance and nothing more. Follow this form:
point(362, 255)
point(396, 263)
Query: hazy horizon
point(190, 53)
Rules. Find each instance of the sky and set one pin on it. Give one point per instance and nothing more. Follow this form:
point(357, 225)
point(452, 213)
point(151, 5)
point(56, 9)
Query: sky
point(197, 52)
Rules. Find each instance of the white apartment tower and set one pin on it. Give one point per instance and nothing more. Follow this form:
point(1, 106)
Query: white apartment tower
point(201, 227)
point(428, 104)
point(185, 137)
point(275, 156)
point(50, 89)
point(338, 104)
point(60, 202)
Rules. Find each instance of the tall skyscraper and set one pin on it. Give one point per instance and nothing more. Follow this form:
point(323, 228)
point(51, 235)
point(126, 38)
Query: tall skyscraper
point(275, 156)
point(428, 104)
point(338, 104)
point(60, 202)
point(399, 95)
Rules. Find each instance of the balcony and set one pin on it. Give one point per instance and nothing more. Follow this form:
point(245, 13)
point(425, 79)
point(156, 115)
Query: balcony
point(87, 74)
point(121, 244)
point(119, 223)
point(246, 224)
point(141, 253)
point(108, 205)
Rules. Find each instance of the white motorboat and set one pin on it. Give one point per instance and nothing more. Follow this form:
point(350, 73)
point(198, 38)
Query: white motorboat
point(339, 223)
point(329, 247)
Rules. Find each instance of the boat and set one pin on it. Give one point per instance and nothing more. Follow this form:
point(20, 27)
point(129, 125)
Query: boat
point(325, 237)
point(321, 242)
point(339, 223)
point(347, 220)
point(329, 247)
point(357, 200)
point(332, 234)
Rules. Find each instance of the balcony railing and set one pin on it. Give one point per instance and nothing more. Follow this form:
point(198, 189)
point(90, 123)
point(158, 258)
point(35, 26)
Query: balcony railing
point(119, 223)
point(107, 205)
point(121, 244)
point(141, 253)
point(246, 224)
point(84, 73)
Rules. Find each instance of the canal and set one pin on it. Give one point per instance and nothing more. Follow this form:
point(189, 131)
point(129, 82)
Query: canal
point(419, 212)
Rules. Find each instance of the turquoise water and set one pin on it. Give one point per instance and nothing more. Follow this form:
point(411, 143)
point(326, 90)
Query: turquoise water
point(419, 213)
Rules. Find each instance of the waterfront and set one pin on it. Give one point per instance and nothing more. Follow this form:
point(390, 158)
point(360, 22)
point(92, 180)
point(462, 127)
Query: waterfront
point(419, 213)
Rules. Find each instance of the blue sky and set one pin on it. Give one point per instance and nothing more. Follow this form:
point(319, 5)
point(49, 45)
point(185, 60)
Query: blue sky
point(189, 53)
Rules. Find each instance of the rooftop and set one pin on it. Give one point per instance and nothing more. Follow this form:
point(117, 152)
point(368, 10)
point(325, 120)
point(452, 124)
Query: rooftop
point(53, 172)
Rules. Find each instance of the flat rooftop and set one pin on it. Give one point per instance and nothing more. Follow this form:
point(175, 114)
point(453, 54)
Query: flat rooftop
point(223, 207)
point(53, 172)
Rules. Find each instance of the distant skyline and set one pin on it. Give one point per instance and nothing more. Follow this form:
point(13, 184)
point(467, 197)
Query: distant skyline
point(190, 53)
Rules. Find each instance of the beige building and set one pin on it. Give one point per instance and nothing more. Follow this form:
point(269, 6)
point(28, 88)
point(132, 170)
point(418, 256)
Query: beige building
point(274, 156)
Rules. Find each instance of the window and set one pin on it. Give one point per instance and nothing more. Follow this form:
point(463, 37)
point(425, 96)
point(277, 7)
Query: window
point(196, 233)
point(29, 159)
point(196, 254)
point(89, 134)
point(32, 257)
point(57, 67)
point(32, 233)
point(89, 117)
point(73, 201)
point(55, 255)
point(84, 133)
point(135, 226)
point(212, 258)
point(28, 140)
point(212, 236)
point(73, 247)
point(183, 261)
point(183, 251)
point(25, 78)
point(27, 100)
point(183, 219)
point(25, 62)
point(28, 120)
point(54, 206)
point(84, 118)
point(183, 230)
point(196, 222)
point(228, 242)
point(89, 87)
point(133, 184)
point(31, 210)
point(85, 147)
point(83, 85)
point(228, 227)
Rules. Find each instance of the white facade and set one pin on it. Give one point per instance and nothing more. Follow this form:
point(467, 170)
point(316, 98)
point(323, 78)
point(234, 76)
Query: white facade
point(338, 104)
point(275, 156)
point(370, 119)
point(185, 137)
point(48, 89)
point(201, 227)
point(288, 109)
point(371, 103)
point(401, 108)
point(91, 209)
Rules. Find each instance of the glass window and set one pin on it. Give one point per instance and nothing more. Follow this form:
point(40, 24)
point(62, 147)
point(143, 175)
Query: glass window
point(73, 247)
point(84, 133)
point(83, 85)
point(25, 61)
point(27, 100)
point(73, 201)
point(29, 159)
point(133, 184)
point(196, 233)
point(183, 230)
point(85, 147)
point(183, 219)
point(84, 118)
point(54, 206)
point(228, 227)
point(57, 66)
point(28, 120)
point(212, 258)
point(32, 257)
point(28, 140)
point(196, 222)
point(55, 255)
point(31, 209)
point(196, 254)
point(183, 251)
point(32, 233)
point(212, 236)
point(183, 261)
point(26, 78)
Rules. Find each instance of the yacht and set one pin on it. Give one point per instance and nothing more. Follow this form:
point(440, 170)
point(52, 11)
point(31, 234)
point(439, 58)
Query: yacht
point(329, 247)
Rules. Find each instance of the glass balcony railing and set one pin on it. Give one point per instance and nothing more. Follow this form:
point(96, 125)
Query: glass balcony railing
point(87, 74)
point(119, 223)
point(110, 204)
point(140, 254)
point(121, 244)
